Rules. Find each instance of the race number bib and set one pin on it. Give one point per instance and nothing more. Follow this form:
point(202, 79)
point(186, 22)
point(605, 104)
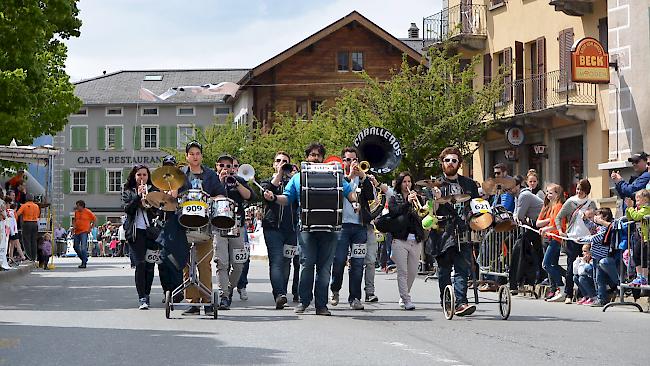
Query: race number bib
point(194, 208)
point(479, 206)
point(153, 256)
point(240, 255)
point(358, 250)
point(290, 250)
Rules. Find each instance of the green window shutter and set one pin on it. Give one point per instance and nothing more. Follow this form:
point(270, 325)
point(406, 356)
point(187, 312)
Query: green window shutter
point(90, 181)
point(74, 137)
point(162, 133)
point(125, 174)
point(66, 222)
point(66, 181)
point(102, 180)
point(118, 138)
point(137, 130)
point(101, 138)
point(172, 137)
point(101, 220)
point(83, 142)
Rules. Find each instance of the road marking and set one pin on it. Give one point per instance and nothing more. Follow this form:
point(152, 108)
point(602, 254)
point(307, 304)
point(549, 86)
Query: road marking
point(407, 348)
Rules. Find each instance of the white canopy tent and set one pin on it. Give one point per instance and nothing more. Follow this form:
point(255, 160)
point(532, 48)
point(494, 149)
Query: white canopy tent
point(39, 155)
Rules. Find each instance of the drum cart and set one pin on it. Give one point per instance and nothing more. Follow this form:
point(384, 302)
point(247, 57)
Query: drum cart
point(192, 281)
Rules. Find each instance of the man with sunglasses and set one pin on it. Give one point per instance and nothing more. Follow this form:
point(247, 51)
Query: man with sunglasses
point(636, 182)
point(199, 176)
point(228, 270)
point(506, 199)
point(279, 224)
point(316, 248)
point(456, 248)
point(354, 231)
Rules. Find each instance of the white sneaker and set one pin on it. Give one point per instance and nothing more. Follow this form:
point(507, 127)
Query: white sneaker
point(243, 295)
point(409, 306)
point(335, 299)
point(558, 297)
point(143, 304)
point(401, 303)
point(356, 305)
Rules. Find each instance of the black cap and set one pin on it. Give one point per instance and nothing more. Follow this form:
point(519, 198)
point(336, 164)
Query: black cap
point(225, 156)
point(193, 144)
point(638, 156)
point(169, 160)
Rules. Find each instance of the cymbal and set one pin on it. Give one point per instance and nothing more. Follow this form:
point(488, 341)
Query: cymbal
point(491, 185)
point(460, 198)
point(443, 199)
point(162, 201)
point(168, 178)
point(431, 183)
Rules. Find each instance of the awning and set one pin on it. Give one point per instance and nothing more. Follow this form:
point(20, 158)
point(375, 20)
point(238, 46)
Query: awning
point(39, 155)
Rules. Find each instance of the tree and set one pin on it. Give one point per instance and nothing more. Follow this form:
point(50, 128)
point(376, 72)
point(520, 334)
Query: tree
point(35, 92)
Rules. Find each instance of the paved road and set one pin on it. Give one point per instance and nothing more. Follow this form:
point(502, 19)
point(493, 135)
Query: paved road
point(73, 317)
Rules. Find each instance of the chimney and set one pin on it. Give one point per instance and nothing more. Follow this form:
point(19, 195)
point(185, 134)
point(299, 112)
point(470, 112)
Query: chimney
point(414, 31)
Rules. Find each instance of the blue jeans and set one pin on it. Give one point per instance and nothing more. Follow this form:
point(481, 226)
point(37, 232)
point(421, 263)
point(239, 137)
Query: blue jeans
point(461, 261)
point(243, 277)
point(586, 285)
point(81, 246)
point(607, 274)
point(350, 234)
point(279, 266)
point(550, 264)
point(573, 251)
point(316, 250)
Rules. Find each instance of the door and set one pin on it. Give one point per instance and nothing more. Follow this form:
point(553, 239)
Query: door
point(519, 77)
point(571, 163)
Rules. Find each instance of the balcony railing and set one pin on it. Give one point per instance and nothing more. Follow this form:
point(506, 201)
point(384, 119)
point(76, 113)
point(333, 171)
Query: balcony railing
point(459, 20)
point(544, 91)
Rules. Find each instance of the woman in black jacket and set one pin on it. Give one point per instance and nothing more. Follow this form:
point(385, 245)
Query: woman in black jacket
point(138, 219)
point(408, 236)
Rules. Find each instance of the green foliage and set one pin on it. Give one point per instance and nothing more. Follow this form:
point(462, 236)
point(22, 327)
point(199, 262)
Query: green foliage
point(35, 92)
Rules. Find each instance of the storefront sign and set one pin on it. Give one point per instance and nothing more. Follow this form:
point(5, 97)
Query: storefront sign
point(539, 150)
point(511, 154)
point(515, 136)
point(121, 160)
point(589, 62)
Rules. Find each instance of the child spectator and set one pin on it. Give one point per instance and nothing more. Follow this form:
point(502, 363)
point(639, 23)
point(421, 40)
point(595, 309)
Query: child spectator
point(640, 249)
point(45, 246)
point(113, 246)
point(583, 275)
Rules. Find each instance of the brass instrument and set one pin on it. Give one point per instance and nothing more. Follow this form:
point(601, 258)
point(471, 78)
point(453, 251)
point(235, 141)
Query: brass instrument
point(286, 169)
point(230, 181)
point(419, 209)
point(143, 196)
point(364, 166)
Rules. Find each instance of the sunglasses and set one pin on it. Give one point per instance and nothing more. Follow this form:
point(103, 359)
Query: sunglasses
point(314, 154)
point(222, 165)
point(350, 159)
point(283, 161)
point(235, 165)
point(448, 160)
point(497, 173)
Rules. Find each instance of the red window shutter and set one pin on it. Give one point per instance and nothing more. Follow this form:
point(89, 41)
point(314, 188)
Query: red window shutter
point(507, 78)
point(487, 69)
point(541, 71)
point(566, 41)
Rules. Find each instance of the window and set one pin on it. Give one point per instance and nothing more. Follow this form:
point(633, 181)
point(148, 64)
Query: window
point(114, 111)
point(152, 78)
point(150, 111)
point(78, 138)
point(602, 33)
point(357, 61)
point(150, 137)
point(301, 109)
point(111, 137)
point(185, 134)
point(219, 111)
point(114, 181)
point(185, 111)
point(343, 64)
point(83, 112)
point(314, 104)
point(78, 181)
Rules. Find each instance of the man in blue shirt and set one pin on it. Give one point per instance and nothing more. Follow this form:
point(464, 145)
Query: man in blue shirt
point(636, 183)
point(506, 199)
point(316, 248)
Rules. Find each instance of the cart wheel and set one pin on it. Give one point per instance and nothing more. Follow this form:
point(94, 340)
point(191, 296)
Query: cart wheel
point(448, 302)
point(168, 305)
point(505, 302)
point(215, 305)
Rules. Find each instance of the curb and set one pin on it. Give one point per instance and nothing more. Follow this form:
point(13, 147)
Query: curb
point(22, 270)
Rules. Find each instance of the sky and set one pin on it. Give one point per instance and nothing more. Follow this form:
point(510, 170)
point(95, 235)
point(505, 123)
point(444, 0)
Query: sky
point(194, 34)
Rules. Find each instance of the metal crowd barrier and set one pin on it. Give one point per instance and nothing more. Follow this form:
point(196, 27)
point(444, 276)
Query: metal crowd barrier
point(638, 254)
point(495, 250)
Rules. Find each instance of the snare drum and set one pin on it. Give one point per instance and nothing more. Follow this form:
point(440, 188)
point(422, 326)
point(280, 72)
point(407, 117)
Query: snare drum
point(223, 213)
point(321, 197)
point(199, 235)
point(481, 216)
point(503, 219)
point(193, 209)
point(233, 232)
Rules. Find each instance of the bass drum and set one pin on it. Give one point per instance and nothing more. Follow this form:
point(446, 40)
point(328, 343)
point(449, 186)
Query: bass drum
point(193, 209)
point(321, 197)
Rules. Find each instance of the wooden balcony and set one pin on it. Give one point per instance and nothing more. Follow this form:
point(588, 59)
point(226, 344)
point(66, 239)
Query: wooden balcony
point(576, 8)
point(461, 24)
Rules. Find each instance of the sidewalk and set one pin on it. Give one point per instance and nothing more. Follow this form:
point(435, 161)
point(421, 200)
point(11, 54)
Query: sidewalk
point(22, 269)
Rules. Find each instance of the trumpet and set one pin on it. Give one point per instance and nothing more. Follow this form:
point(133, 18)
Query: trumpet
point(364, 166)
point(420, 210)
point(144, 194)
point(287, 169)
point(230, 181)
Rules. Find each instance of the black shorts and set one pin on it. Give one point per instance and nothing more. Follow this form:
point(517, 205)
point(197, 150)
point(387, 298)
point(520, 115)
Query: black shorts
point(14, 237)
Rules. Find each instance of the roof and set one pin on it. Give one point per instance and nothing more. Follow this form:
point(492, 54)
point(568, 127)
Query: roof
point(415, 43)
point(122, 87)
point(353, 16)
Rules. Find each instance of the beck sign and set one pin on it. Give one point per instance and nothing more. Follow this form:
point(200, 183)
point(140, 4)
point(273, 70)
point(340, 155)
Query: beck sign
point(589, 62)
